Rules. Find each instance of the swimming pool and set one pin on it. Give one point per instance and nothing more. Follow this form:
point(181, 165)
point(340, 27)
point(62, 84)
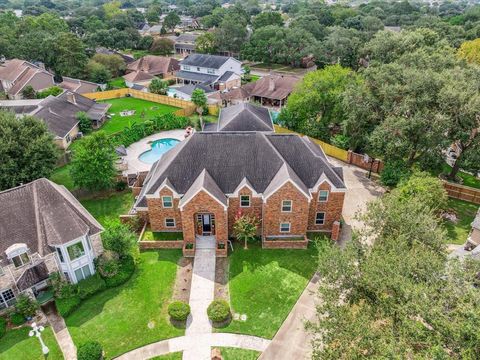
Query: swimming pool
point(171, 92)
point(159, 147)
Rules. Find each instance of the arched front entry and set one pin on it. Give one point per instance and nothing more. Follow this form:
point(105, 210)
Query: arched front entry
point(205, 224)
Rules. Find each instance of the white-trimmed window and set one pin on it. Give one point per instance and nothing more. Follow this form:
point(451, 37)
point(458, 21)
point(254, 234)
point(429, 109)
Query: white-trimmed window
point(285, 227)
point(211, 71)
point(60, 255)
point(75, 250)
point(20, 260)
point(323, 195)
point(320, 218)
point(82, 273)
point(167, 201)
point(169, 222)
point(286, 205)
point(245, 201)
point(68, 138)
point(7, 298)
point(185, 67)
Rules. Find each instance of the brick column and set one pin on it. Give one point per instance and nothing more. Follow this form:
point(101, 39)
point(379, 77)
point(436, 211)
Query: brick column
point(336, 228)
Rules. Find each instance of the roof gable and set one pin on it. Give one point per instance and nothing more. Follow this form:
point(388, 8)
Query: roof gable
point(245, 117)
point(204, 182)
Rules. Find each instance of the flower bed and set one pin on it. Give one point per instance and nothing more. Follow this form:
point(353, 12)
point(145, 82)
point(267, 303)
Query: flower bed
point(189, 249)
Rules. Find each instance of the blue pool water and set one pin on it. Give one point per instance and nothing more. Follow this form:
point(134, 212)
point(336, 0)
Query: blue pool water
point(159, 147)
point(171, 92)
point(274, 115)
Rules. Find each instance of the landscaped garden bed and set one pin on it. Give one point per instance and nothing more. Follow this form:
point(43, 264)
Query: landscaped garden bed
point(264, 284)
point(189, 249)
point(133, 314)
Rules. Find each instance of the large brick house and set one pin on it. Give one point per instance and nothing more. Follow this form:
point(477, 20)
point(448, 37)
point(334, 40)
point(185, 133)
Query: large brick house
point(202, 185)
point(43, 229)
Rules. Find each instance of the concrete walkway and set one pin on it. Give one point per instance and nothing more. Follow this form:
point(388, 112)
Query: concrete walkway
point(186, 343)
point(292, 341)
point(60, 332)
point(201, 295)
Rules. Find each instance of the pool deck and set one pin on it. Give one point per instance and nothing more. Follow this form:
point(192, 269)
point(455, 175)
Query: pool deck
point(138, 148)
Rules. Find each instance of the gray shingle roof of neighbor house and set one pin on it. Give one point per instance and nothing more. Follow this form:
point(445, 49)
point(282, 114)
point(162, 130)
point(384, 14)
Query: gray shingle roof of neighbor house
point(205, 61)
point(188, 89)
point(193, 76)
point(230, 157)
point(42, 214)
point(225, 76)
point(243, 117)
point(186, 38)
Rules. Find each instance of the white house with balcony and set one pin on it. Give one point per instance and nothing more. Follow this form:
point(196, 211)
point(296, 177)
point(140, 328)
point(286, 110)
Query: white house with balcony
point(43, 230)
point(217, 72)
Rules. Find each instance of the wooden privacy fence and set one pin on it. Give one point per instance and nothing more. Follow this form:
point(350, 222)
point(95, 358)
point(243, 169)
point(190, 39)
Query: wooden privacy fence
point(187, 108)
point(461, 192)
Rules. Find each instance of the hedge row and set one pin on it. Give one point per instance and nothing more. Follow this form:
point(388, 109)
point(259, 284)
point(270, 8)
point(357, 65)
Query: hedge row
point(93, 285)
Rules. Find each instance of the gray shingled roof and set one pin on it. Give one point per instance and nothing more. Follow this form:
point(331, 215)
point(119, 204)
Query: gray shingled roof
point(244, 117)
point(205, 61)
point(194, 76)
point(32, 276)
point(230, 157)
point(188, 89)
point(41, 214)
point(225, 76)
point(206, 182)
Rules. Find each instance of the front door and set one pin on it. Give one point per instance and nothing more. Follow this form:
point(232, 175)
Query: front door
point(206, 224)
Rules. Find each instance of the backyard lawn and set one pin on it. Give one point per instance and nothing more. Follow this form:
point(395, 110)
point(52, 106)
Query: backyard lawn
point(117, 83)
point(144, 110)
point(133, 314)
point(149, 235)
point(61, 176)
point(457, 233)
point(264, 284)
point(16, 345)
point(109, 207)
point(172, 356)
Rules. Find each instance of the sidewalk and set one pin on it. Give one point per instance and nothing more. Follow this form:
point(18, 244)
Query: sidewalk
point(201, 295)
point(61, 332)
point(292, 341)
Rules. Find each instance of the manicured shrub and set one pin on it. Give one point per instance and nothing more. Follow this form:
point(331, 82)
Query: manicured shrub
point(26, 305)
point(120, 185)
point(90, 286)
point(218, 311)
point(107, 264)
point(394, 172)
point(178, 310)
point(91, 350)
point(17, 319)
point(66, 306)
point(3, 326)
point(125, 271)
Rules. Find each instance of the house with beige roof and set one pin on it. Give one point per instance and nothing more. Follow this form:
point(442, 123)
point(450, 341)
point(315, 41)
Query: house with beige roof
point(143, 70)
point(272, 90)
point(16, 75)
point(43, 230)
point(79, 86)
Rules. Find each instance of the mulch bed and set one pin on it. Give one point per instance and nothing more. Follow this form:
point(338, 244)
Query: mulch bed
point(183, 280)
point(221, 279)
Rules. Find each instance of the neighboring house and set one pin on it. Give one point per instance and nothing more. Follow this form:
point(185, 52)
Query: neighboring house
point(137, 78)
point(60, 113)
point(242, 117)
point(200, 186)
point(79, 86)
point(150, 66)
point(232, 97)
point(218, 72)
point(126, 58)
point(16, 75)
point(185, 92)
point(185, 44)
point(272, 90)
point(150, 30)
point(44, 229)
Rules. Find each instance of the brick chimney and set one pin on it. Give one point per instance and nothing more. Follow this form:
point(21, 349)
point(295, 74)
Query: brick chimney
point(271, 83)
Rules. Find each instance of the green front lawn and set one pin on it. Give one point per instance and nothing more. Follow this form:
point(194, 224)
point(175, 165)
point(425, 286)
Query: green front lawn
point(229, 353)
point(16, 345)
point(457, 233)
point(172, 356)
point(149, 235)
point(109, 207)
point(144, 110)
point(264, 284)
point(133, 314)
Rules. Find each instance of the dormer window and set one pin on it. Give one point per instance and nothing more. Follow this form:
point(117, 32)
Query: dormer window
point(21, 260)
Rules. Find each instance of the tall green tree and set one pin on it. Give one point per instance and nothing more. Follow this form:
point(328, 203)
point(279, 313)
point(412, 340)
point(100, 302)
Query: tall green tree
point(231, 34)
point(171, 20)
point(70, 57)
point(206, 43)
point(158, 86)
point(200, 100)
point(93, 162)
point(27, 150)
point(267, 18)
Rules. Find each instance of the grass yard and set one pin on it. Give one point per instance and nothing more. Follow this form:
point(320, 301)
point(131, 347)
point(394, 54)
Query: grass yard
point(149, 235)
point(229, 353)
point(172, 356)
point(17, 345)
point(468, 180)
point(110, 207)
point(117, 83)
point(118, 123)
point(458, 233)
point(264, 284)
point(62, 176)
point(133, 314)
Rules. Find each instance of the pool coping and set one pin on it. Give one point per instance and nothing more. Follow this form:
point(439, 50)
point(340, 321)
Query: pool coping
point(134, 165)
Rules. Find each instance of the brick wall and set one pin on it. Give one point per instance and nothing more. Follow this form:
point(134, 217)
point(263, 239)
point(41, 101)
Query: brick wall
point(255, 208)
point(332, 208)
point(157, 213)
point(160, 244)
point(273, 215)
point(359, 160)
point(203, 203)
